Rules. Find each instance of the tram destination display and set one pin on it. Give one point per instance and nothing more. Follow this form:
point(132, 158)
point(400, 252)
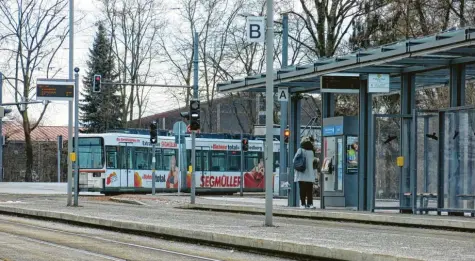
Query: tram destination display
point(54, 90)
point(340, 83)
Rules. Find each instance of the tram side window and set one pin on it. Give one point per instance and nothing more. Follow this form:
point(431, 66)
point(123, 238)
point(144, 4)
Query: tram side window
point(170, 158)
point(91, 153)
point(218, 160)
point(234, 161)
point(112, 157)
point(143, 158)
point(254, 161)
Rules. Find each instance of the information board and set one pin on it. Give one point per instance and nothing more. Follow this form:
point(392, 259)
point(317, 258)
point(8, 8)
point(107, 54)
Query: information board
point(54, 90)
point(378, 83)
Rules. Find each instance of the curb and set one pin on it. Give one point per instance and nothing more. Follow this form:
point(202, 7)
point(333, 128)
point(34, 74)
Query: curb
point(286, 247)
point(128, 201)
point(381, 219)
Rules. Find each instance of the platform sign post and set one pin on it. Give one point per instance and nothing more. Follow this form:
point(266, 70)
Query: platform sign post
point(62, 90)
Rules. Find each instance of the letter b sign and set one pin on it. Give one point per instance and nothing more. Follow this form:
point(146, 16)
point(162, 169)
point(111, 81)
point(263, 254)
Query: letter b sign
point(255, 29)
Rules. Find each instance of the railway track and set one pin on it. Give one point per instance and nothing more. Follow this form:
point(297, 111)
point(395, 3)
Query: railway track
point(88, 244)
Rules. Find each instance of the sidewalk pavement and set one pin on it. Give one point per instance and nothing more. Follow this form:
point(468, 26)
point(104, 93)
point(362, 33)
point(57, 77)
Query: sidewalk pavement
point(313, 238)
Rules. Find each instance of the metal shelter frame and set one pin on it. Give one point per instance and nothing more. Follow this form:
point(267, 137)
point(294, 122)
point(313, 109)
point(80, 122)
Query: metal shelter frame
point(443, 59)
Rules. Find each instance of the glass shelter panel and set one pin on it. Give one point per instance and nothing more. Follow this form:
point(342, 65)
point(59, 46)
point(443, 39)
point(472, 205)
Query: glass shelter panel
point(459, 152)
point(387, 174)
point(427, 159)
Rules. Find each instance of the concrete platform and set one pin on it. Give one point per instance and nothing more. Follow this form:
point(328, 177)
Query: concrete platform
point(316, 239)
point(433, 222)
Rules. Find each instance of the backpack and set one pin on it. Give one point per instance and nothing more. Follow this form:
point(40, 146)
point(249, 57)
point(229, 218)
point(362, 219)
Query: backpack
point(300, 162)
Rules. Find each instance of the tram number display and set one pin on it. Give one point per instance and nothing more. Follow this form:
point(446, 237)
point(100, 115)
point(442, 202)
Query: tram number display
point(54, 91)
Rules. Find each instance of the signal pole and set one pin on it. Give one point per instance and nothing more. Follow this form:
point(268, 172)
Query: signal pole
point(153, 169)
point(193, 133)
point(153, 140)
point(76, 137)
point(241, 185)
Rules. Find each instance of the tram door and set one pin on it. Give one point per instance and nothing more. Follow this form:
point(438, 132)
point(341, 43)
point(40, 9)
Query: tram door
point(202, 166)
point(126, 172)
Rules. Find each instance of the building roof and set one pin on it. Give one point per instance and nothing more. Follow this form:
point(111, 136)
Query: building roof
point(14, 132)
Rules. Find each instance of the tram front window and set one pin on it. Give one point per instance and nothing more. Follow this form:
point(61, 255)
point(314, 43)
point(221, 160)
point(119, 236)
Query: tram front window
point(91, 153)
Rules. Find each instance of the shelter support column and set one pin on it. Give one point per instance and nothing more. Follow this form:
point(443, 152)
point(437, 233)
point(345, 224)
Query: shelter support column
point(365, 187)
point(407, 105)
point(283, 173)
point(456, 168)
point(294, 144)
point(328, 110)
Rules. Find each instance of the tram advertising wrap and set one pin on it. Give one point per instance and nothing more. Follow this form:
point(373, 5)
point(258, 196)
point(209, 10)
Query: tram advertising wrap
point(128, 162)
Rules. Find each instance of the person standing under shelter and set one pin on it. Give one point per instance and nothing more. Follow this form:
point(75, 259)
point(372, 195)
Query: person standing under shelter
point(305, 175)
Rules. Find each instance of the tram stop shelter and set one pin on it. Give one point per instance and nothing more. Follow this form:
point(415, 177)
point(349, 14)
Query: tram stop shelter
point(417, 161)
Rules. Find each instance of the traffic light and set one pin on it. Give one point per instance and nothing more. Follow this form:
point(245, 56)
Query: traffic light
point(194, 115)
point(96, 83)
point(286, 136)
point(153, 132)
point(245, 144)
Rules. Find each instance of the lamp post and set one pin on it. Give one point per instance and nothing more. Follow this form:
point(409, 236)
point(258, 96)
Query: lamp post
point(269, 110)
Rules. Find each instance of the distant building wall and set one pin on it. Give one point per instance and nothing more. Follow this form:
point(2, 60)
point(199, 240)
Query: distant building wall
point(228, 115)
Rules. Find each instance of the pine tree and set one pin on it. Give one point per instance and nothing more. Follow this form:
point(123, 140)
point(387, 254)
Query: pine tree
point(99, 110)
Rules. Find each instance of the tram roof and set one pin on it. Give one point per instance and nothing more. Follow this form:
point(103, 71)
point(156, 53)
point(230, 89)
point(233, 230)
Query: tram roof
point(428, 57)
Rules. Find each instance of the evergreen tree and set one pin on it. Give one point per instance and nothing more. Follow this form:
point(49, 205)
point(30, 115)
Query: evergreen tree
point(99, 110)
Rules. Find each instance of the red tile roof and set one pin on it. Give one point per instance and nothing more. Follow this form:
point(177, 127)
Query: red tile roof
point(14, 132)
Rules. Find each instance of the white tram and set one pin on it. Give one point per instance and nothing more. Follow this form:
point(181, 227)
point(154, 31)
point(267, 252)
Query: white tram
point(122, 163)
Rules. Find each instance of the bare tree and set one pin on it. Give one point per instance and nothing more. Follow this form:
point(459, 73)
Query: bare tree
point(33, 39)
point(135, 29)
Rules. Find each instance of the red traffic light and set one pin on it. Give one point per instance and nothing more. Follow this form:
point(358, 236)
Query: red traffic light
point(244, 141)
point(287, 133)
point(98, 78)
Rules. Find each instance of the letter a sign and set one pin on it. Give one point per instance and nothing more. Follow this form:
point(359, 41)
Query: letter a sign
point(255, 29)
point(283, 94)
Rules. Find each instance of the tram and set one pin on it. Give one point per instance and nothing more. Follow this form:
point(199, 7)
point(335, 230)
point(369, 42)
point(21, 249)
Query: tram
point(113, 163)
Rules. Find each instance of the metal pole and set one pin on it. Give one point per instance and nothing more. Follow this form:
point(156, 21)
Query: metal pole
point(269, 110)
point(283, 109)
point(153, 169)
point(426, 155)
point(179, 160)
point(241, 186)
point(1, 129)
point(193, 133)
point(60, 145)
point(70, 103)
point(76, 137)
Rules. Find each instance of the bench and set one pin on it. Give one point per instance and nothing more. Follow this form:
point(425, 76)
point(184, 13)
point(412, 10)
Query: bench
point(424, 199)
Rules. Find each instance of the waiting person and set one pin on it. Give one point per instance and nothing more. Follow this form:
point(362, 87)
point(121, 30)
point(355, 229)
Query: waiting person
point(306, 178)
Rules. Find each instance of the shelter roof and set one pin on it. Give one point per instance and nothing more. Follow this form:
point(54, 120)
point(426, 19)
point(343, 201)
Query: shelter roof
point(428, 57)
